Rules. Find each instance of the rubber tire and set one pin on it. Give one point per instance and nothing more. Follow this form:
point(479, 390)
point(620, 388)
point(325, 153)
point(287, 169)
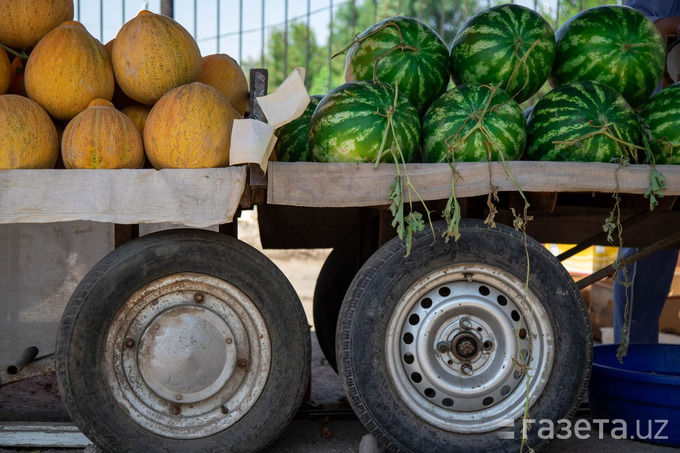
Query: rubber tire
point(387, 275)
point(85, 322)
point(334, 279)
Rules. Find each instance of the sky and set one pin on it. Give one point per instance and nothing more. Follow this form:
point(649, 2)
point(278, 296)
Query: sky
point(103, 19)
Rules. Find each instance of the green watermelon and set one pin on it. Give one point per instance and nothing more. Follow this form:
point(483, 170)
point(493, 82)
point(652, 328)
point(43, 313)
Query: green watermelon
point(457, 125)
point(612, 44)
point(408, 53)
point(291, 144)
point(567, 123)
point(351, 122)
point(510, 46)
point(662, 117)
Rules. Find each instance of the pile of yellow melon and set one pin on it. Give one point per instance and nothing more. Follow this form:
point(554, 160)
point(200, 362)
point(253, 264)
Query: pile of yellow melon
point(148, 95)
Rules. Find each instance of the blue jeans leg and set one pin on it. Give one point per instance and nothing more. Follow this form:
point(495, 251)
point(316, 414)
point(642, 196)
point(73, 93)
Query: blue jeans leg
point(651, 279)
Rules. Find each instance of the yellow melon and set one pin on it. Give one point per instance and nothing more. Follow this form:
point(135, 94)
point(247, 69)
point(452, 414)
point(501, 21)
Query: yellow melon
point(120, 100)
point(68, 69)
point(190, 127)
point(138, 114)
point(152, 54)
point(23, 23)
point(28, 138)
point(102, 137)
point(224, 73)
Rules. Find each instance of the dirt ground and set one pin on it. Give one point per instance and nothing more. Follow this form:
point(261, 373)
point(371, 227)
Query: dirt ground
point(313, 431)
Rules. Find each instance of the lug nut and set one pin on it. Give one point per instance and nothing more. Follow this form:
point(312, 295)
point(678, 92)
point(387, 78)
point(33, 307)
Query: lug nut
point(465, 323)
point(199, 297)
point(466, 369)
point(443, 347)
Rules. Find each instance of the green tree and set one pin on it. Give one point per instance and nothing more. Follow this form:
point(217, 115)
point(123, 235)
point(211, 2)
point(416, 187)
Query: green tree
point(281, 60)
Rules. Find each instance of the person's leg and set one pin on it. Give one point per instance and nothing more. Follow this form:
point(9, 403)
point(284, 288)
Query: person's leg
point(651, 279)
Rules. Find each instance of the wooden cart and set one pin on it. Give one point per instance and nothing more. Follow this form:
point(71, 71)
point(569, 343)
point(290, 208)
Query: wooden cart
point(190, 340)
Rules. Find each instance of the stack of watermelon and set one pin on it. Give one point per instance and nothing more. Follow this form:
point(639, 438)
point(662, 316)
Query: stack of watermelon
point(603, 64)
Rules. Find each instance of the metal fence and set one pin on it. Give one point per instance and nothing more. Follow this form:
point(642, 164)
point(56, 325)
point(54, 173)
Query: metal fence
point(243, 29)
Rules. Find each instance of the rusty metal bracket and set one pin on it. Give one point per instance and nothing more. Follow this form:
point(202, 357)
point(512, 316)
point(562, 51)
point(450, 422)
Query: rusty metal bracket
point(38, 367)
point(601, 237)
point(608, 271)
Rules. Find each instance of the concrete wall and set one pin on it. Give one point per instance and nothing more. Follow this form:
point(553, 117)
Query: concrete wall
point(40, 267)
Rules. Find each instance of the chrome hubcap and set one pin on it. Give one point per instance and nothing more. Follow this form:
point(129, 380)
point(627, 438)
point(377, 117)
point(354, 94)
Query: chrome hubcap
point(187, 356)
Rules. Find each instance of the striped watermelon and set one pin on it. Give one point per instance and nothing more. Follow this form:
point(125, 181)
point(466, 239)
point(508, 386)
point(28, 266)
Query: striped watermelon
point(351, 121)
point(615, 45)
point(291, 144)
point(459, 124)
point(662, 116)
point(577, 113)
point(410, 54)
point(510, 46)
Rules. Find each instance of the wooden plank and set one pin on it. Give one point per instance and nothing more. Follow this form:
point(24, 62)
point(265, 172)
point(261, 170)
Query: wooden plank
point(343, 185)
point(194, 197)
point(27, 434)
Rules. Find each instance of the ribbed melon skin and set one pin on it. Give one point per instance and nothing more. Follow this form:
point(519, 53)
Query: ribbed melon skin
point(101, 137)
point(569, 113)
point(509, 45)
point(29, 138)
point(662, 116)
point(349, 123)
point(67, 70)
point(448, 125)
point(152, 54)
point(292, 139)
point(612, 44)
point(421, 70)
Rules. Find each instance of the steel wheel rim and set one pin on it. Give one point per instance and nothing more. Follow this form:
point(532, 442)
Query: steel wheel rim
point(187, 356)
point(450, 345)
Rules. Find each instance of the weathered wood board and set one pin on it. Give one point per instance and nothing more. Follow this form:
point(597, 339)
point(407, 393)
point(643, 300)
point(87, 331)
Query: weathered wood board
point(344, 185)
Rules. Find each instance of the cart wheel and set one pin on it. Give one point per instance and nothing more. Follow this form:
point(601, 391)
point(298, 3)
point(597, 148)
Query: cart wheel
point(441, 351)
point(183, 340)
point(334, 278)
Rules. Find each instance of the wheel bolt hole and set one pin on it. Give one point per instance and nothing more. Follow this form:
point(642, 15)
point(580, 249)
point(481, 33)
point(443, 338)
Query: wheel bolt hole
point(502, 301)
point(444, 291)
point(447, 402)
point(408, 358)
point(408, 338)
point(515, 316)
point(430, 393)
point(488, 401)
point(426, 303)
point(414, 319)
point(450, 362)
point(484, 290)
point(416, 377)
point(488, 344)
